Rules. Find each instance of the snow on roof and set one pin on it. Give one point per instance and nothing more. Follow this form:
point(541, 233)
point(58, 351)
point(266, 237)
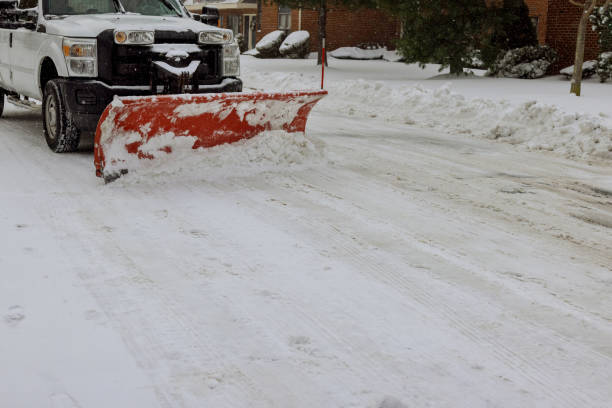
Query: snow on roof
point(223, 4)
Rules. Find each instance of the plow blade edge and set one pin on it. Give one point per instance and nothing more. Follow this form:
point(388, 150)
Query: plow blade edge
point(147, 127)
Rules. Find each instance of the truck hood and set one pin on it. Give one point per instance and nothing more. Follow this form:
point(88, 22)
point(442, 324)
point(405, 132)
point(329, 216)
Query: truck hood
point(89, 26)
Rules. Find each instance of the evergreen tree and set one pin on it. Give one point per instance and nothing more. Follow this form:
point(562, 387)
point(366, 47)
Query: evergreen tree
point(601, 18)
point(511, 28)
point(441, 31)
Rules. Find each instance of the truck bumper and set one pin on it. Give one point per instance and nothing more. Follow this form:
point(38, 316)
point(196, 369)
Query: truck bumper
point(87, 99)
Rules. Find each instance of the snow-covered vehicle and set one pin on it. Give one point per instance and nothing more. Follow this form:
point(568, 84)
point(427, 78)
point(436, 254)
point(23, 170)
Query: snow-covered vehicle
point(76, 55)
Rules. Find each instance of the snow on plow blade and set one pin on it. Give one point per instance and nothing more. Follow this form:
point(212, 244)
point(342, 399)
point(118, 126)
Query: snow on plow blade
point(148, 127)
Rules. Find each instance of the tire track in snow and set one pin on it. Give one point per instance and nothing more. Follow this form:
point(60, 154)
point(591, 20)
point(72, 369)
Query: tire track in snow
point(156, 326)
point(368, 367)
point(538, 373)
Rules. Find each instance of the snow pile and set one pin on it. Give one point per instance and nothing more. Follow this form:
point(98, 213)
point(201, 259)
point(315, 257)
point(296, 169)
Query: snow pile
point(357, 53)
point(531, 125)
point(270, 151)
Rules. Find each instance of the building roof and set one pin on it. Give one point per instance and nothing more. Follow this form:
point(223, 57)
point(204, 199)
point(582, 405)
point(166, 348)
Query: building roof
point(223, 4)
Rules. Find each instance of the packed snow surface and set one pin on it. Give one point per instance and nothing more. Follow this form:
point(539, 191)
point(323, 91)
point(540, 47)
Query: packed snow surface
point(391, 257)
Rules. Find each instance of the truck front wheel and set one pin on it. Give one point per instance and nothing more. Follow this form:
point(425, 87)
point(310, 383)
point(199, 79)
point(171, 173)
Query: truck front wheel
point(60, 131)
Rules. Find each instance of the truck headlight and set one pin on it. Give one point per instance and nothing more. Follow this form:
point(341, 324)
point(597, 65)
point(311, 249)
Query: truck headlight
point(81, 56)
point(216, 37)
point(135, 37)
point(231, 60)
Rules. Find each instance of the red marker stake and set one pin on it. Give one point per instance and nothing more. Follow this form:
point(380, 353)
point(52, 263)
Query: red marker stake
point(323, 64)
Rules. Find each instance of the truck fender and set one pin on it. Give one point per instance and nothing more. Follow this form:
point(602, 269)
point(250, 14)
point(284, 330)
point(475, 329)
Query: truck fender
point(51, 50)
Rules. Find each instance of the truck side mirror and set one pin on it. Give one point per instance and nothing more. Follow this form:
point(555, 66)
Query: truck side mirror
point(196, 17)
point(210, 15)
point(31, 19)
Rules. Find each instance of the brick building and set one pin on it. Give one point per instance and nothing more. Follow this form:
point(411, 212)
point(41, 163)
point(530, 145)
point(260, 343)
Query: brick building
point(238, 15)
point(344, 27)
point(556, 22)
point(557, 25)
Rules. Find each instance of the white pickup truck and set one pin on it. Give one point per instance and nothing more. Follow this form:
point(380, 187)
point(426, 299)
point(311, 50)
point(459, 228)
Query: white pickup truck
point(74, 56)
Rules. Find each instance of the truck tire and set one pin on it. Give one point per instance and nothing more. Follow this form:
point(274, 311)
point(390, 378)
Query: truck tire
point(59, 129)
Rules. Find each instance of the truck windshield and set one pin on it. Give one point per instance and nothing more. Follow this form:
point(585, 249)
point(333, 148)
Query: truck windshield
point(145, 7)
point(153, 7)
point(70, 7)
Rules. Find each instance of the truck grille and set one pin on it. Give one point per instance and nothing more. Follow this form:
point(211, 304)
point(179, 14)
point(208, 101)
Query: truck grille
point(130, 65)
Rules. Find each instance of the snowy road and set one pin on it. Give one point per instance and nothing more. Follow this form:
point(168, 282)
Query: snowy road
point(409, 268)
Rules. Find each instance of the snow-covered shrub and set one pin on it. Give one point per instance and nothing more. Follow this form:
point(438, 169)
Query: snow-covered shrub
point(474, 60)
point(268, 46)
point(357, 53)
point(604, 66)
point(526, 62)
point(589, 68)
point(296, 45)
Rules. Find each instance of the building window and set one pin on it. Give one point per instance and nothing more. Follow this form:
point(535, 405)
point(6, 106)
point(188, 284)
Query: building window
point(233, 22)
point(284, 18)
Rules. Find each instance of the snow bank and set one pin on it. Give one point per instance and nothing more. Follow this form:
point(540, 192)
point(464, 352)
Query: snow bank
point(272, 151)
point(532, 125)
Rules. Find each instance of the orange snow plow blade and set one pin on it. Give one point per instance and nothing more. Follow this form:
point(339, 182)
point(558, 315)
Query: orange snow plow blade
point(147, 127)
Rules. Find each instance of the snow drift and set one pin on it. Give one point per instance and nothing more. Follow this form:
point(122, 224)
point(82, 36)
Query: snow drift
point(532, 125)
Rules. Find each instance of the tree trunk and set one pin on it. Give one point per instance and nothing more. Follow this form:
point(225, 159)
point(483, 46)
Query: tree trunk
point(589, 5)
point(456, 68)
point(322, 31)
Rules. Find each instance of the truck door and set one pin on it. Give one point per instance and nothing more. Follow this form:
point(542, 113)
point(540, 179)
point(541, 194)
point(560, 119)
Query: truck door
point(5, 63)
point(22, 54)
